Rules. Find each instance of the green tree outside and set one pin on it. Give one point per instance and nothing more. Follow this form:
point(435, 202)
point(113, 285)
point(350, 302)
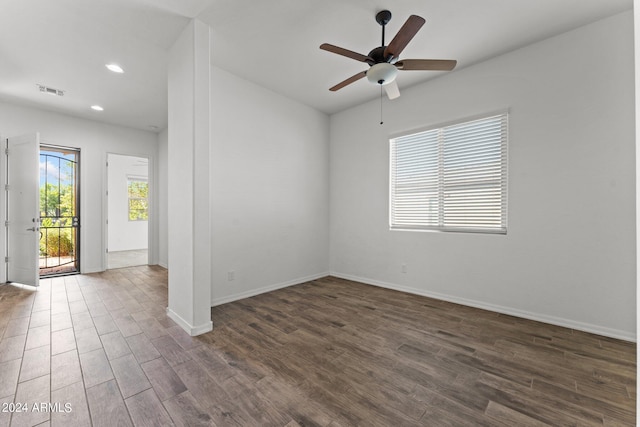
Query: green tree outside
point(138, 200)
point(57, 209)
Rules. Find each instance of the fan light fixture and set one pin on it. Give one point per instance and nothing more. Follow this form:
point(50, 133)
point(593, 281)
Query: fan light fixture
point(384, 60)
point(382, 73)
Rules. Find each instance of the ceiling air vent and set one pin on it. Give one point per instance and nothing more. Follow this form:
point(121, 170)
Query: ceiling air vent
point(50, 90)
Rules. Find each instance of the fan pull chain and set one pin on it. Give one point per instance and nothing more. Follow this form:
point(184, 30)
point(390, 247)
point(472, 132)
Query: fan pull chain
point(381, 122)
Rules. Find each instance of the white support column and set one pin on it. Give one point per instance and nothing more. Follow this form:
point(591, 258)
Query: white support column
point(189, 225)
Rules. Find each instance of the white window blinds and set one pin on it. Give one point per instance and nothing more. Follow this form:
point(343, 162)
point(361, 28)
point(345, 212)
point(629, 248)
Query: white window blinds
point(452, 178)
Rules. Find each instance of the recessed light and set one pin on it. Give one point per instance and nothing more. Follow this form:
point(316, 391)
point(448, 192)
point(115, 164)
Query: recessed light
point(97, 108)
point(115, 68)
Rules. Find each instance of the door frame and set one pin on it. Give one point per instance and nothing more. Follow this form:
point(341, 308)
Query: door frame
point(3, 213)
point(79, 199)
point(152, 223)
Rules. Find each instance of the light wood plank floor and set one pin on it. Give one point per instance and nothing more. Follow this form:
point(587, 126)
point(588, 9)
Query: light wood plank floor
point(325, 353)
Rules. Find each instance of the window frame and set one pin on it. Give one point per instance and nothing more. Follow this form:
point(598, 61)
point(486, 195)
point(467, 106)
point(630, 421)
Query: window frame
point(134, 178)
point(438, 218)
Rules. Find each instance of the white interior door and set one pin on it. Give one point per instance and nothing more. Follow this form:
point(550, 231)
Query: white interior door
point(23, 200)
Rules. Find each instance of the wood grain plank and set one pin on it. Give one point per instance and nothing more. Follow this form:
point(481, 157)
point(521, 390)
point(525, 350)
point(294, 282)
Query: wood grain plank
point(32, 392)
point(35, 363)
point(5, 417)
point(12, 347)
point(142, 348)
point(60, 306)
point(40, 318)
point(170, 350)
point(65, 369)
point(17, 326)
point(185, 340)
point(534, 404)
point(129, 376)
point(114, 345)
point(95, 367)
point(199, 383)
point(151, 327)
point(38, 336)
point(226, 413)
point(62, 341)
point(81, 320)
point(186, 412)
point(146, 410)
point(71, 408)
point(97, 309)
point(9, 373)
point(163, 378)
point(615, 410)
point(60, 321)
point(295, 403)
point(77, 306)
point(107, 406)
point(508, 416)
point(87, 340)
point(104, 324)
point(260, 409)
point(215, 365)
point(127, 326)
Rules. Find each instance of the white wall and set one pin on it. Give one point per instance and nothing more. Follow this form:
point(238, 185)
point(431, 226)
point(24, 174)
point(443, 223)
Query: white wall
point(95, 140)
point(269, 184)
point(569, 255)
point(122, 234)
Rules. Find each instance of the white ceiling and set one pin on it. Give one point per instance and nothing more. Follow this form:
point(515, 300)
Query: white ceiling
point(66, 43)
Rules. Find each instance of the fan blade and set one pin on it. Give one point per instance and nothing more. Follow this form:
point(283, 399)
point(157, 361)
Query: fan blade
point(404, 36)
point(350, 80)
point(345, 52)
point(392, 89)
point(427, 64)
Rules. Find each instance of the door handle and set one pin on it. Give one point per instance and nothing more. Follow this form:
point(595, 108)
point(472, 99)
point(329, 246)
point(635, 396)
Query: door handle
point(33, 229)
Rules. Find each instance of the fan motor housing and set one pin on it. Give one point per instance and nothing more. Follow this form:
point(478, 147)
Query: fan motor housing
point(377, 55)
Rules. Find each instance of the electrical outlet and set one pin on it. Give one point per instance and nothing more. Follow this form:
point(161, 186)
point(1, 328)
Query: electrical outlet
point(231, 276)
point(403, 268)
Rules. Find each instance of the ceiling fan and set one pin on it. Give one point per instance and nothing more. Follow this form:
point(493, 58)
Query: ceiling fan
point(384, 61)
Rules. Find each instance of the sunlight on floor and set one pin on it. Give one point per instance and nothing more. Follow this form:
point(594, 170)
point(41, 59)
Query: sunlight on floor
point(120, 259)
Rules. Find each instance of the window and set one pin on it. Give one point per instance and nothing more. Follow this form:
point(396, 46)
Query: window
point(138, 189)
point(452, 178)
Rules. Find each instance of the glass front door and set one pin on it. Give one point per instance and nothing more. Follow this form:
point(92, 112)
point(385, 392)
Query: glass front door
point(59, 213)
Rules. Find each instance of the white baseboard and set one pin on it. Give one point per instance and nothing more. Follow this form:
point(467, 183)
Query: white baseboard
point(265, 289)
point(190, 329)
point(558, 321)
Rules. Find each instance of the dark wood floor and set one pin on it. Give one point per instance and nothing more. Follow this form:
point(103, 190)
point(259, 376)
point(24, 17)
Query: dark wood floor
point(325, 353)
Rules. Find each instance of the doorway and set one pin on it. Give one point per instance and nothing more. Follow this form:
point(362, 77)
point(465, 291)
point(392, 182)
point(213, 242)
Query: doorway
point(127, 211)
point(59, 245)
